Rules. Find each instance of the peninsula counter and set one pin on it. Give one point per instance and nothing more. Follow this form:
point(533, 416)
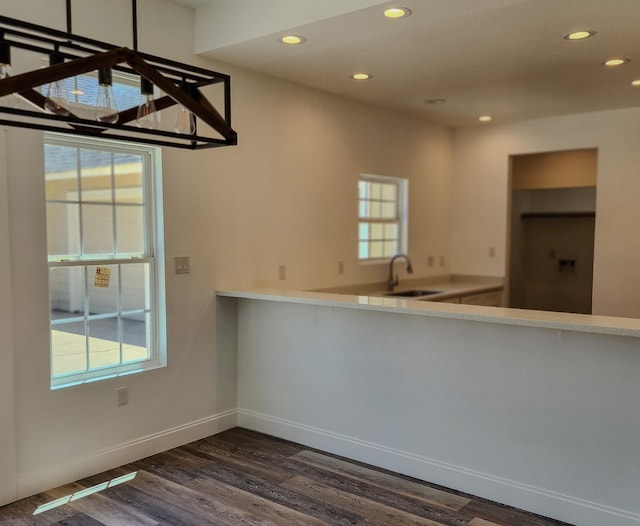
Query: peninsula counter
point(536, 410)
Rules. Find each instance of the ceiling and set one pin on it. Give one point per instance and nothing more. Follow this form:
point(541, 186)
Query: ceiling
point(504, 58)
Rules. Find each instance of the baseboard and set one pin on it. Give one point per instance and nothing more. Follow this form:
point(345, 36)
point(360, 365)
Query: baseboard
point(85, 466)
point(537, 500)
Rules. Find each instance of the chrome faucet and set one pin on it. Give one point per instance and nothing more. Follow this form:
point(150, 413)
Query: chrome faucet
point(392, 282)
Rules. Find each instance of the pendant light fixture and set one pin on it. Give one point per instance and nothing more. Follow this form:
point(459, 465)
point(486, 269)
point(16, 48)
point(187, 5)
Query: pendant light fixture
point(49, 108)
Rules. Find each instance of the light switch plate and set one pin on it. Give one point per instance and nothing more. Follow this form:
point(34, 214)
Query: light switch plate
point(182, 265)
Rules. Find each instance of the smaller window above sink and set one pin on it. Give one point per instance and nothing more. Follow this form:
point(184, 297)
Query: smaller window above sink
point(414, 293)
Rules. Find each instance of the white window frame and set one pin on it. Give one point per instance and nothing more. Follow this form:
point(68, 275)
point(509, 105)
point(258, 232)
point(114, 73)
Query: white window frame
point(153, 256)
point(401, 218)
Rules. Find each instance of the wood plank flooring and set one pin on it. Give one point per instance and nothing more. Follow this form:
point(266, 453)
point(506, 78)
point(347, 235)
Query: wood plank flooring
point(243, 477)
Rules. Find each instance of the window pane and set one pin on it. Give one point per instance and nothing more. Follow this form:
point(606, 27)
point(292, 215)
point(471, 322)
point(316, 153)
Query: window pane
point(128, 178)
point(375, 210)
point(61, 176)
point(376, 249)
point(66, 292)
point(130, 229)
point(102, 291)
point(96, 175)
point(390, 248)
point(388, 210)
point(377, 231)
point(104, 343)
point(364, 209)
point(363, 189)
point(68, 348)
point(391, 231)
point(363, 250)
point(363, 231)
point(376, 190)
point(389, 192)
point(130, 194)
point(63, 229)
point(135, 287)
point(135, 337)
point(97, 229)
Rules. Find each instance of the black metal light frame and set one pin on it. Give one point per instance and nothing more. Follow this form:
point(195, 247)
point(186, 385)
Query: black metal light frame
point(181, 84)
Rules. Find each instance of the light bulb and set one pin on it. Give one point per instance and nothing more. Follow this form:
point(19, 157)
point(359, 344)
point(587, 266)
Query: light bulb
point(147, 115)
point(185, 121)
point(106, 109)
point(57, 101)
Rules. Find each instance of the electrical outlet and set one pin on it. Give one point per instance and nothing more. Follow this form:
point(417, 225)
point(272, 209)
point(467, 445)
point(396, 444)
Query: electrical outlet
point(282, 272)
point(123, 396)
point(492, 252)
point(430, 261)
point(182, 265)
point(340, 267)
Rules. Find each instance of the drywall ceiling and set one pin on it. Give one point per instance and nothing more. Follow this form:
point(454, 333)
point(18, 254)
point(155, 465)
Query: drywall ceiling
point(506, 58)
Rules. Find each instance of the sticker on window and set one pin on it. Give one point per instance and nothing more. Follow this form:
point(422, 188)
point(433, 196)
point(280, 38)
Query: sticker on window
point(103, 274)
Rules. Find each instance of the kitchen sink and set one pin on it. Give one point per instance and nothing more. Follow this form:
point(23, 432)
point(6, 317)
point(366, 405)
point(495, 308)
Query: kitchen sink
point(414, 293)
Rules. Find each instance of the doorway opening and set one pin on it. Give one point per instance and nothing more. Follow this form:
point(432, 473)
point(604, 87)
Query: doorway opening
point(552, 229)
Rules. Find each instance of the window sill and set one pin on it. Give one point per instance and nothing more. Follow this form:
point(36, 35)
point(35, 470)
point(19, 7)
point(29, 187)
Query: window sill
point(64, 382)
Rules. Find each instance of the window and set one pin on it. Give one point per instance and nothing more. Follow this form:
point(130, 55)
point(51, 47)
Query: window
point(106, 291)
point(382, 211)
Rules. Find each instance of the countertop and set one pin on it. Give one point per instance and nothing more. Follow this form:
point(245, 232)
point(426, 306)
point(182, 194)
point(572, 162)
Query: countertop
point(450, 285)
point(527, 318)
point(446, 289)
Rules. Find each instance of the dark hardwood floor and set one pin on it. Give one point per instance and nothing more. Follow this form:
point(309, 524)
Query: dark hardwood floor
point(243, 477)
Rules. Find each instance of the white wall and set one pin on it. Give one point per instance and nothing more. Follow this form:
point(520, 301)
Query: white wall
point(285, 195)
point(481, 191)
point(7, 402)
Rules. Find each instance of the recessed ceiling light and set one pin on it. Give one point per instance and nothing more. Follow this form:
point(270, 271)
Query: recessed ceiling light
point(612, 62)
point(397, 12)
point(485, 118)
point(635, 83)
point(293, 39)
point(361, 76)
point(580, 35)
